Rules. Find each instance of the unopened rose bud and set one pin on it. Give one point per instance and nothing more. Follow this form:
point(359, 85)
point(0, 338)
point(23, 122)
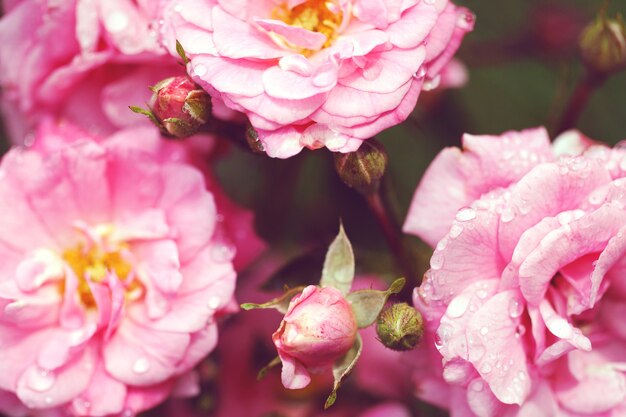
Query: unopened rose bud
point(400, 327)
point(603, 44)
point(363, 168)
point(318, 328)
point(180, 106)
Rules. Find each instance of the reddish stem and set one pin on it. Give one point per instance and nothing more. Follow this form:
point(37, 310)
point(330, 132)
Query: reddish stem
point(577, 103)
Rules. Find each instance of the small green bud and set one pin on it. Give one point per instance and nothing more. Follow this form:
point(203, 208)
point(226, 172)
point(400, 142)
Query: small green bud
point(255, 144)
point(400, 327)
point(603, 44)
point(363, 168)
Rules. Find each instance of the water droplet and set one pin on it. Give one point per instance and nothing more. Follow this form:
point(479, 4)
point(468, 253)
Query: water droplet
point(48, 400)
point(178, 8)
point(476, 352)
point(442, 244)
point(444, 332)
point(214, 302)
point(455, 230)
point(429, 1)
point(466, 20)
point(128, 413)
point(29, 140)
point(81, 406)
point(485, 368)
point(116, 22)
point(484, 330)
point(420, 73)
point(482, 294)
point(223, 252)
point(520, 331)
point(458, 306)
point(200, 70)
point(141, 366)
point(436, 261)
point(431, 83)
point(507, 215)
point(477, 385)
point(515, 308)
point(41, 380)
point(465, 214)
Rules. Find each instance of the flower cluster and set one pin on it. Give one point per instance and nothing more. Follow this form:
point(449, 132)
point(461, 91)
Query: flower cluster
point(125, 254)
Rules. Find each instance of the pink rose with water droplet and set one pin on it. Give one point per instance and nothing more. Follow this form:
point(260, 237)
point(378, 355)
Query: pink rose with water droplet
point(317, 73)
point(115, 268)
point(525, 297)
point(79, 61)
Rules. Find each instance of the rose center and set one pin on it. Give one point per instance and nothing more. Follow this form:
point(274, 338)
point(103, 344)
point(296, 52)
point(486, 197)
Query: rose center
point(93, 264)
point(320, 16)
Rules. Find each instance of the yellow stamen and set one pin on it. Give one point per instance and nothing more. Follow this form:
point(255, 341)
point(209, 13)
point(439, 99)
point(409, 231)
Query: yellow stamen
point(313, 15)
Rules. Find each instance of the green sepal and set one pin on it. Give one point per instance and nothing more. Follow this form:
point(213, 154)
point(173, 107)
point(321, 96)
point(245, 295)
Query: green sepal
point(338, 270)
point(181, 52)
point(343, 367)
point(367, 304)
point(280, 303)
point(267, 367)
point(147, 113)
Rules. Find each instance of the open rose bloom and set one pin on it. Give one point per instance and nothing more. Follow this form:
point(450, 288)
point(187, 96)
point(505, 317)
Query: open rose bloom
point(525, 298)
point(80, 61)
point(114, 268)
point(317, 73)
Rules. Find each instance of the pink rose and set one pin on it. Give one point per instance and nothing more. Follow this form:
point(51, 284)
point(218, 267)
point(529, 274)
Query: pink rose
point(115, 268)
point(317, 73)
point(80, 61)
point(318, 328)
point(525, 298)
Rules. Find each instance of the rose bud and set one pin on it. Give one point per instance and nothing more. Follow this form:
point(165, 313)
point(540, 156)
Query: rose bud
point(180, 106)
point(318, 328)
point(400, 327)
point(603, 44)
point(363, 168)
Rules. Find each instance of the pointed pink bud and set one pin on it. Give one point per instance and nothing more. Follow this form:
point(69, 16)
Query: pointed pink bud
point(318, 329)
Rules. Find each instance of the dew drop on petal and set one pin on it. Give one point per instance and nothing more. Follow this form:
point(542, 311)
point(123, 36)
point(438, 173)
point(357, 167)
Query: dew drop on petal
point(214, 302)
point(515, 308)
point(484, 330)
point(200, 70)
point(458, 306)
point(436, 261)
point(141, 366)
point(420, 73)
point(431, 83)
point(41, 380)
point(455, 231)
point(116, 22)
point(485, 368)
point(465, 214)
point(222, 252)
point(507, 215)
point(477, 385)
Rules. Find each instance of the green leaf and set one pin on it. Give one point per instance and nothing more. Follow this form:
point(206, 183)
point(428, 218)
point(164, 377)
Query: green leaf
point(338, 271)
point(280, 303)
point(367, 304)
point(343, 367)
point(181, 52)
point(267, 367)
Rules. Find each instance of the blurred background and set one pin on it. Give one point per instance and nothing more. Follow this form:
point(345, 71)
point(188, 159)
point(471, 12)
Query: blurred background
point(522, 63)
